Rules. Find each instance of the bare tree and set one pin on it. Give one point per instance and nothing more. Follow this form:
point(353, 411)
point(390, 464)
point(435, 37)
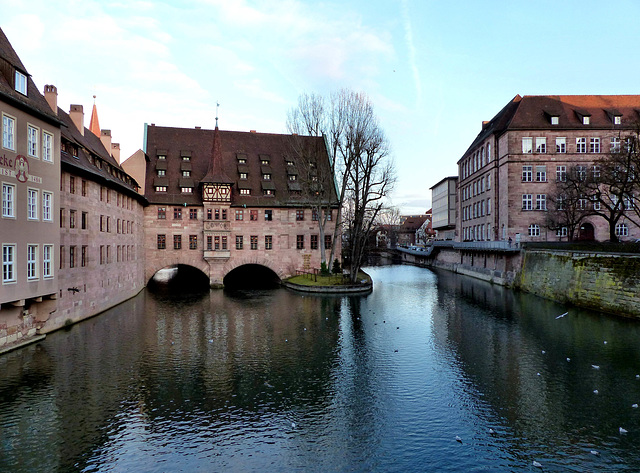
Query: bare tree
point(569, 204)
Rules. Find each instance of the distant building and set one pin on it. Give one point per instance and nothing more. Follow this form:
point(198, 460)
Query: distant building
point(425, 233)
point(444, 199)
point(512, 166)
point(409, 224)
point(224, 199)
point(30, 179)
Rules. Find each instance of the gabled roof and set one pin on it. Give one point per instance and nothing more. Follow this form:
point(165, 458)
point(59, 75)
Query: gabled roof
point(239, 152)
point(34, 102)
point(88, 145)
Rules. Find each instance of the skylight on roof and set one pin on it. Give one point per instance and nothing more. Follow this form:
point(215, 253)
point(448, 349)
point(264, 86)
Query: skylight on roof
point(21, 83)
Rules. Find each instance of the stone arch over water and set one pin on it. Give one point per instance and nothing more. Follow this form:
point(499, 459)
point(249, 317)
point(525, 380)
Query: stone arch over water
point(180, 277)
point(251, 275)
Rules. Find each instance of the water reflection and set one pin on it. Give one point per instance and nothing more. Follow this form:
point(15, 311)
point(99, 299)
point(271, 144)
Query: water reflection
point(277, 381)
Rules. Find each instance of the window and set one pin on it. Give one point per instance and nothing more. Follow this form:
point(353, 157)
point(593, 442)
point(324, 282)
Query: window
point(102, 260)
point(527, 202)
point(72, 219)
point(243, 175)
point(615, 145)
point(47, 203)
point(8, 200)
point(622, 229)
point(8, 132)
point(239, 242)
point(299, 215)
point(216, 213)
point(268, 192)
point(21, 83)
point(161, 188)
point(268, 215)
point(527, 145)
point(186, 173)
point(193, 242)
point(84, 256)
point(162, 213)
point(47, 263)
point(541, 145)
point(541, 173)
point(32, 204)
point(488, 206)
point(253, 215)
point(561, 173)
point(582, 203)
point(8, 263)
point(561, 145)
point(47, 147)
point(72, 256)
point(216, 240)
point(210, 214)
point(534, 230)
point(581, 145)
point(314, 242)
point(596, 171)
point(32, 141)
point(224, 243)
point(32, 261)
point(555, 120)
point(186, 190)
point(72, 185)
point(63, 222)
point(292, 177)
point(562, 232)
point(594, 145)
point(161, 172)
point(314, 215)
point(541, 201)
point(177, 213)
point(268, 242)
point(329, 214)
point(239, 214)
point(84, 188)
point(489, 153)
point(617, 120)
point(596, 203)
point(224, 214)
point(300, 242)
point(586, 120)
point(254, 242)
point(245, 191)
point(177, 242)
point(266, 177)
point(327, 242)
point(581, 172)
point(162, 242)
point(527, 173)
point(193, 214)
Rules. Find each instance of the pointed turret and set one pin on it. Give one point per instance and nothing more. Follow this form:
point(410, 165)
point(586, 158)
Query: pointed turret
point(216, 185)
point(94, 124)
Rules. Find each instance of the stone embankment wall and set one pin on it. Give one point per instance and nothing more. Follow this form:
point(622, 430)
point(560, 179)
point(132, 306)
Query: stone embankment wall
point(606, 282)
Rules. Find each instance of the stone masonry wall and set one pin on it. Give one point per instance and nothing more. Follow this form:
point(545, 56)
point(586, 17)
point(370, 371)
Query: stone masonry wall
point(604, 282)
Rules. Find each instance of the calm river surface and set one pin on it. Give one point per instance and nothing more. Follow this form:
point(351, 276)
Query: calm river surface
point(276, 381)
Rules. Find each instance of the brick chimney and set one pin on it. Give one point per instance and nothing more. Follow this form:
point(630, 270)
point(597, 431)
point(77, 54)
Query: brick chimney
point(51, 94)
point(115, 151)
point(77, 117)
point(105, 137)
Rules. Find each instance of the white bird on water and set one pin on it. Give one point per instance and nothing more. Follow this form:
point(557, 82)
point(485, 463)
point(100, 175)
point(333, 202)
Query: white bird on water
point(458, 439)
point(562, 315)
point(595, 367)
point(595, 452)
point(536, 464)
point(623, 431)
point(595, 391)
point(635, 406)
point(568, 359)
point(293, 425)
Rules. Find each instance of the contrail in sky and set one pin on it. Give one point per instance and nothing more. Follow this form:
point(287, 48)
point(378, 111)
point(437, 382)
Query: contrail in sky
point(408, 36)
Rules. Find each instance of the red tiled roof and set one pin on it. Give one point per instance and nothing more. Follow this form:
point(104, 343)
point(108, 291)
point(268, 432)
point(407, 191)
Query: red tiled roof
point(277, 149)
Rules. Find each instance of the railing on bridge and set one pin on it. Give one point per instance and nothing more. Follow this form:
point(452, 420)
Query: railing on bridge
point(460, 245)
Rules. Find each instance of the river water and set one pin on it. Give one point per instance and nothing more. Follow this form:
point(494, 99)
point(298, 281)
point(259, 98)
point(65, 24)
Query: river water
point(276, 381)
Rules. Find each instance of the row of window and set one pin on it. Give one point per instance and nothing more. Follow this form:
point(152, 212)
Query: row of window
point(220, 243)
point(122, 201)
point(123, 253)
point(221, 214)
point(39, 142)
point(476, 187)
point(478, 209)
point(37, 209)
point(476, 161)
point(480, 232)
point(34, 269)
point(561, 145)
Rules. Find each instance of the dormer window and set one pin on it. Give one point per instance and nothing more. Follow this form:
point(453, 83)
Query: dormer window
point(264, 162)
point(585, 120)
point(266, 177)
point(292, 177)
point(243, 175)
point(186, 158)
point(161, 172)
point(245, 191)
point(186, 190)
point(268, 192)
point(162, 156)
point(186, 173)
point(555, 119)
point(289, 163)
point(242, 161)
point(21, 83)
point(617, 120)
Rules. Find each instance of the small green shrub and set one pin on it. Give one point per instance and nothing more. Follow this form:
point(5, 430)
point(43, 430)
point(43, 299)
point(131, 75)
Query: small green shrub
point(323, 269)
point(336, 267)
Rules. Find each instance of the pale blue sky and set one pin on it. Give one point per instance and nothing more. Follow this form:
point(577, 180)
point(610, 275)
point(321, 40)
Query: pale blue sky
point(433, 69)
